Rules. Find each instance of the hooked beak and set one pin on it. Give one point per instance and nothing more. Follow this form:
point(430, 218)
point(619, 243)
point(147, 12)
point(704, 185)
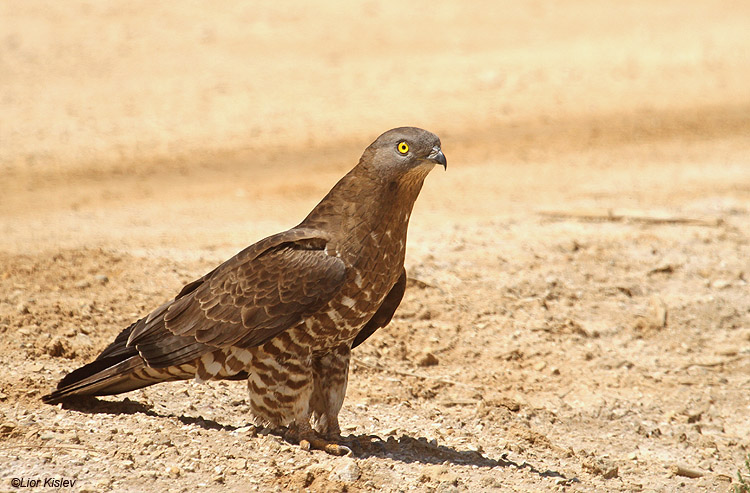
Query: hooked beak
point(438, 157)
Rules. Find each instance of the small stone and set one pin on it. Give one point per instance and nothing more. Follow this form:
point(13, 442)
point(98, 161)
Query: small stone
point(447, 487)
point(475, 447)
point(173, 471)
point(685, 471)
point(246, 429)
point(101, 278)
point(58, 347)
point(22, 308)
point(348, 471)
point(7, 428)
point(601, 467)
point(721, 284)
point(428, 359)
point(658, 312)
point(490, 482)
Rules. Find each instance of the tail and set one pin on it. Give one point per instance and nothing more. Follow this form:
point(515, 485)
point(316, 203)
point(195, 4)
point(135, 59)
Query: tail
point(118, 369)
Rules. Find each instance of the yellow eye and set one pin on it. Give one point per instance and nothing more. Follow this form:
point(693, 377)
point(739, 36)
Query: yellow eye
point(403, 147)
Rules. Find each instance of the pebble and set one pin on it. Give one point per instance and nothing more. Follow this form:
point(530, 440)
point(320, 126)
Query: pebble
point(6, 428)
point(348, 471)
point(721, 284)
point(446, 487)
point(685, 471)
point(239, 464)
point(428, 359)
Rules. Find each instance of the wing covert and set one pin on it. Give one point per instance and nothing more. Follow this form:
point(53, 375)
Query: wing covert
point(257, 294)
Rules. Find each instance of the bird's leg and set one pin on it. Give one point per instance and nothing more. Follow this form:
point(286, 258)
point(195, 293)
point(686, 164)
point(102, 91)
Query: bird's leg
point(330, 376)
point(330, 373)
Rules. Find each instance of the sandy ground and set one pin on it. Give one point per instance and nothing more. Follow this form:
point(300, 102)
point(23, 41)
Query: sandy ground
point(605, 347)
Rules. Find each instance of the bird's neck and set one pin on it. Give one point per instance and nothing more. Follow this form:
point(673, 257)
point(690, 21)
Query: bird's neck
point(362, 206)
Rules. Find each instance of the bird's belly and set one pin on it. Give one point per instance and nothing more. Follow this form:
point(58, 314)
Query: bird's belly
point(340, 320)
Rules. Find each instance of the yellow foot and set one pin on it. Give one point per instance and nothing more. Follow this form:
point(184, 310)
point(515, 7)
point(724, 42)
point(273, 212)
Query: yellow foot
point(310, 440)
point(317, 443)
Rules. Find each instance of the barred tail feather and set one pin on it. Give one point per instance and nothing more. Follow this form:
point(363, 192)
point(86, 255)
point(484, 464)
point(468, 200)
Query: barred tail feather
point(118, 369)
point(100, 377)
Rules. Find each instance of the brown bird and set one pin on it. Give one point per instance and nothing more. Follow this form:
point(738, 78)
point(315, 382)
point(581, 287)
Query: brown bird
point(286, 312)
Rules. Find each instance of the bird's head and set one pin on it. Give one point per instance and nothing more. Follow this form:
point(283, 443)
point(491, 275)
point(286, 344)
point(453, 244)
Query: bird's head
point(404, 151)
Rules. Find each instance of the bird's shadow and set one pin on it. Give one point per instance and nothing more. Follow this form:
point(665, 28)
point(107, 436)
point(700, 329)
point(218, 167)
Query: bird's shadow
point(93, 405)
point(405, 448)
point(408, 449)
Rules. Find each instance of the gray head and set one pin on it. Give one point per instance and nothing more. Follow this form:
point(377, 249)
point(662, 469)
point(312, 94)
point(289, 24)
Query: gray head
point(400, 150)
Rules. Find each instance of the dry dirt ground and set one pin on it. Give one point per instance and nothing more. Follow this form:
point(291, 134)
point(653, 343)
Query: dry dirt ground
point(578, 312)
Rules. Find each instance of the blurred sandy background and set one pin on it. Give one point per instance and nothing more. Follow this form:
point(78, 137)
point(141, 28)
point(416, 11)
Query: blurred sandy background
point(111, 101)
point(96, 85)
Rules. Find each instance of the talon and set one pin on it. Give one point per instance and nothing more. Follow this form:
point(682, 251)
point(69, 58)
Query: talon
point(340, 450)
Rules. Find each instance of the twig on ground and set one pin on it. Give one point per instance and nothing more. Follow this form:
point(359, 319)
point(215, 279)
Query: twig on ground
point(712, 364)
point(68, 447)
point(651, 217)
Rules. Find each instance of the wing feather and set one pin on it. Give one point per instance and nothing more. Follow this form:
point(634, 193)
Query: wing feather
point(385, 312)
point(262, 291)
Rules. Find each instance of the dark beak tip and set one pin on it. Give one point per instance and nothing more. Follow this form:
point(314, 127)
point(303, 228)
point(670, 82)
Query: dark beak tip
point(437, 157)
point(440, 159)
